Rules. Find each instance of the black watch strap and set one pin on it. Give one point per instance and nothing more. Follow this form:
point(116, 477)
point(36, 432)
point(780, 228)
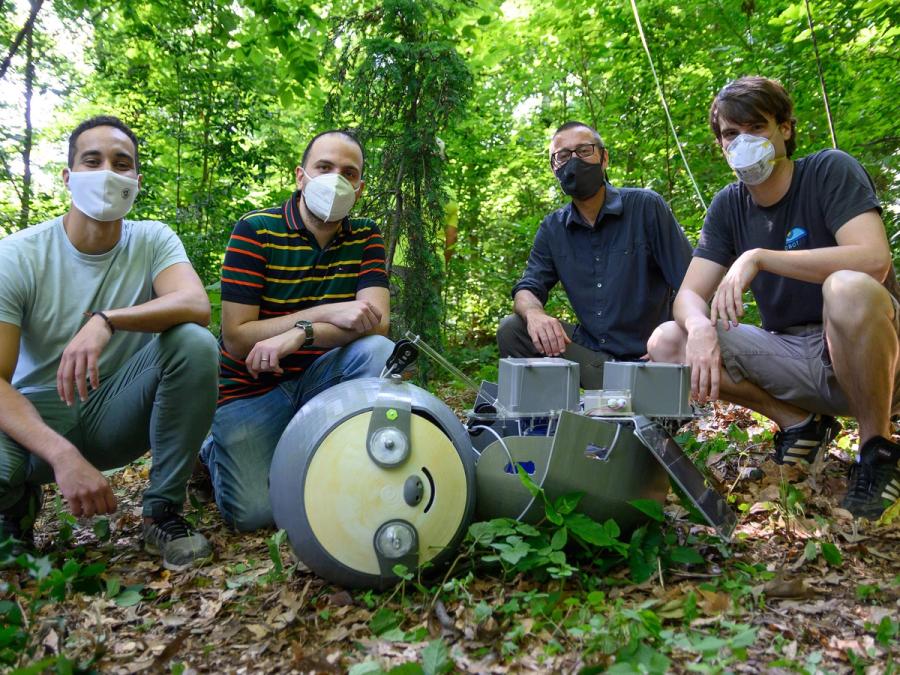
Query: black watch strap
point(307, 328)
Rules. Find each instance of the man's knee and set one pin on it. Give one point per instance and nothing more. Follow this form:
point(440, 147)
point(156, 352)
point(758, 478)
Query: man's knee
point(247, 515)
point(190, 342)
point(510, 332)
point(853, 299)
point(666, 344)
point(375, 350)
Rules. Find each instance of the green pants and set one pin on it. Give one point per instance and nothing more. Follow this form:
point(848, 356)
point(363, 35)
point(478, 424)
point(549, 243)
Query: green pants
point(162, 398)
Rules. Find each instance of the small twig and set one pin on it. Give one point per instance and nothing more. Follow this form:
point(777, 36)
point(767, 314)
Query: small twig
point(440, 612)
point(662, 584)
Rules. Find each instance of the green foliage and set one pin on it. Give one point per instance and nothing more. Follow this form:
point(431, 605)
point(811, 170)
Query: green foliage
point(400, 80)
point(29, 584)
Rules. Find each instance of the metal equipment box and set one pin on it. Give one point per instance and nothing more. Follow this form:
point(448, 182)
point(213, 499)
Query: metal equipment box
point(657, 389)
point(540, 385)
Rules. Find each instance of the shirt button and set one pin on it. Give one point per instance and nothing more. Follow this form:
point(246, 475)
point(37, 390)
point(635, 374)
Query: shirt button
point(597, 258)
point(600, 313)
point(603, 341)
point(599, 285)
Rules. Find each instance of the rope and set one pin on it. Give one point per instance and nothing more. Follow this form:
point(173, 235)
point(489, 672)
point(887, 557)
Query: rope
point(812, 32)
point(662, 98)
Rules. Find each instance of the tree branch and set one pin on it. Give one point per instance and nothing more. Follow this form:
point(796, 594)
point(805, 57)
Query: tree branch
point(26, 29)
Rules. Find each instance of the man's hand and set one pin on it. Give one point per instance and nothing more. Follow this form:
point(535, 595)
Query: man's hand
point(727, 304)
point(266, 354)
point(84, 488)
point(355, 315)
point(703, 356)
point(546, 332)
point(80, 360)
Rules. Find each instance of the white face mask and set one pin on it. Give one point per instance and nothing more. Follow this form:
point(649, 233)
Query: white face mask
point(752, 158)
point(329, 196)
point(102, 195)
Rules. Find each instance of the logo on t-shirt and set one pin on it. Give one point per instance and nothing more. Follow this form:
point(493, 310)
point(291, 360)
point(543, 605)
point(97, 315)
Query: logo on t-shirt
point(795, 238)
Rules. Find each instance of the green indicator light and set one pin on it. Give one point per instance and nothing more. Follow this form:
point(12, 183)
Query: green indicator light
point(391, 414)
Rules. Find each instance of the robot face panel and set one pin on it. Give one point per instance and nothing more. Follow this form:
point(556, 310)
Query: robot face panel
point(348, 497)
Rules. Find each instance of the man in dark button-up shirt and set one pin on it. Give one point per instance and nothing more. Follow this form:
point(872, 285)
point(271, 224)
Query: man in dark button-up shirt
point(619, 253)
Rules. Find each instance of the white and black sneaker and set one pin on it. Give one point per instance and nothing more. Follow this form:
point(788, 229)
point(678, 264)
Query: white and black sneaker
point(179, 544)
point(802, 444)
point(875, 480)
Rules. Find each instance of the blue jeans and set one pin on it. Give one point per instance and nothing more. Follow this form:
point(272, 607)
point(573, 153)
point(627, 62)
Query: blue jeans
point(245, 432)
point(162, 398)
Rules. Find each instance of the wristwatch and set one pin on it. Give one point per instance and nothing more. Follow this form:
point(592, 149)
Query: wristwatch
point(307, 328)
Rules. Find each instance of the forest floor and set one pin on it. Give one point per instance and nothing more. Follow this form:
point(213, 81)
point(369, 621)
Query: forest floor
point(801, 588)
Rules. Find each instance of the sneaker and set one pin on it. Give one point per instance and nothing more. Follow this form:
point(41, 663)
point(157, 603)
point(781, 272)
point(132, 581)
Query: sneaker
point(801, 445)
point(875, 480)
point(17, 522)
point(179, 544)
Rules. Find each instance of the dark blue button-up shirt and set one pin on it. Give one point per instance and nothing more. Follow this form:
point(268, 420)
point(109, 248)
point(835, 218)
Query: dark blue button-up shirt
point(620, 272)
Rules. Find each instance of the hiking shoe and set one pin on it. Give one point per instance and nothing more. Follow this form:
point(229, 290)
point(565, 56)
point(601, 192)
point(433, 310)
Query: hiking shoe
point(17, 522)
point(200, 484)
point(179, 544)
point(874, 482)
point(801, 445)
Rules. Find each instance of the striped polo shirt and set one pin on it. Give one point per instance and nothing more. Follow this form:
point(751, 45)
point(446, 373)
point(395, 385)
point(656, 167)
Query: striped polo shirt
point(274, 262)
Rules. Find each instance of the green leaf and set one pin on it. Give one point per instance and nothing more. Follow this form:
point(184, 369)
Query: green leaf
point(592, 532)
point(559, 539)
point(831, 554)
point(811, 550)
point(567, 503)
point(436, 658)
point(411, 668)
point(365, 668)
point(101, 529)
point(384, 620)
point(686, 556)
point(649, 507)
point(128, 598)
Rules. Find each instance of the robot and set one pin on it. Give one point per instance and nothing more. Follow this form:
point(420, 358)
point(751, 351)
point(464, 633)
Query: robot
point(378, 473)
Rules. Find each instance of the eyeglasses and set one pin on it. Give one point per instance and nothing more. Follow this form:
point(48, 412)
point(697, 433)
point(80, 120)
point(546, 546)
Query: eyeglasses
point(585, 150)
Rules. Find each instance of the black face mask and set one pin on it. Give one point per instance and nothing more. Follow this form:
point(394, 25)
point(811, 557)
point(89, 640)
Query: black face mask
point(579, 179)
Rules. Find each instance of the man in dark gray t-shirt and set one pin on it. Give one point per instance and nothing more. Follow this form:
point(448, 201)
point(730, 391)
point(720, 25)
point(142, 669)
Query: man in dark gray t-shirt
point(806, 236)
point(619, 254)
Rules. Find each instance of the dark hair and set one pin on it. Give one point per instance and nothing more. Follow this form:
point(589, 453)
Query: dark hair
point(573, 124)
point(102, 121)
point(349, 134)
point(748, 100)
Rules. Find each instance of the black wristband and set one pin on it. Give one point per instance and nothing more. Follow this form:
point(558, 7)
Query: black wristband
point(112, 329)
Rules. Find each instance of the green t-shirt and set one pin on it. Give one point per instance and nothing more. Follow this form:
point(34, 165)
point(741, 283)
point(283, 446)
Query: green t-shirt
point(46, 286)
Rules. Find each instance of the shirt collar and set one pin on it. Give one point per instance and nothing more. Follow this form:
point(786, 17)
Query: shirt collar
point(291, 211)
point(612, 205)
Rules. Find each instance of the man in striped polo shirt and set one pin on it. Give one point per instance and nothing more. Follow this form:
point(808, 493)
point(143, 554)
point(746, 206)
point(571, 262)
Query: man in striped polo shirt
point(305, 306)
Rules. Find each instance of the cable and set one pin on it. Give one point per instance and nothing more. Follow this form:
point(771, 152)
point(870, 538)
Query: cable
point(665, 105)
point(812, 32)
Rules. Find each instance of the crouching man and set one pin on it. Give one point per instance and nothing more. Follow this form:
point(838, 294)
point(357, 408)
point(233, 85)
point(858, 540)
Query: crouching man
point(806, 236)
point(85, 385)
point(305, 305)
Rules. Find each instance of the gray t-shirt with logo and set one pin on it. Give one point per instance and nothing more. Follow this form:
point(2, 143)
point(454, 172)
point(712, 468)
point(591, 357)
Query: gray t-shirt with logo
point(46, 286)
point(828, 188)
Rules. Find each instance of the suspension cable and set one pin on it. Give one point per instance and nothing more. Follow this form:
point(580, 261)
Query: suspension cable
point(662, 98)
point(812, 32)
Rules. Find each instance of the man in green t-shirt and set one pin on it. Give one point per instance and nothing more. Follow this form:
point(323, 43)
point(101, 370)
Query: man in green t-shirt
point(85, 384)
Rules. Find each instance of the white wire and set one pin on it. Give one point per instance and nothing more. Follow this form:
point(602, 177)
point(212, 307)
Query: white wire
point(662, 98)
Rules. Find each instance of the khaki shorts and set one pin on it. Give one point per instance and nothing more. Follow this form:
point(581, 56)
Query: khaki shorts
point(792, 366)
